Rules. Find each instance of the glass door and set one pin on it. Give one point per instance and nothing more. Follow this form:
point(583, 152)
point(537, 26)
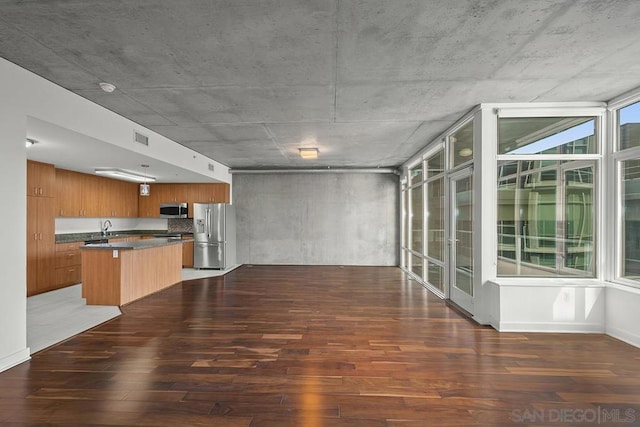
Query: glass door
point(461, 239)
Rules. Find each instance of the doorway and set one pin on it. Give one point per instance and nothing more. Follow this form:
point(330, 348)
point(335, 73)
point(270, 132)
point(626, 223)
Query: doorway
point(460, 238)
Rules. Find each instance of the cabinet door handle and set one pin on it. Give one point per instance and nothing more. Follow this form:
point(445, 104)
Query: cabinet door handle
point(71, 270)
point(40, 191)
point(35, 236)
point(39, 236)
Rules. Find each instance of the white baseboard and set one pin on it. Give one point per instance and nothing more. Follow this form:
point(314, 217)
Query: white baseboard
point(624, 335)
point(584, 328)
point(14, 359)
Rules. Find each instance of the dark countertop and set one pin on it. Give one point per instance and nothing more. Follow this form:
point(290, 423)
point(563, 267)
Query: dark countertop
point(138, 244)
point(84, 237)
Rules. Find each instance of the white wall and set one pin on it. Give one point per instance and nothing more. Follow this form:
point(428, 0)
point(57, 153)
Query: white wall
point(552, 307)
point(23, 95)
point(601, 307)
point(13, 261)
point(623, 313)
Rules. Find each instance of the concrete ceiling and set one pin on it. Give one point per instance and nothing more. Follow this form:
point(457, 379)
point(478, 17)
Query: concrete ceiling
point(368, 82)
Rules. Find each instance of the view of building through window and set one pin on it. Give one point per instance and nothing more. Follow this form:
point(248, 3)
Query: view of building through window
point(546, 200)
point(546, 217)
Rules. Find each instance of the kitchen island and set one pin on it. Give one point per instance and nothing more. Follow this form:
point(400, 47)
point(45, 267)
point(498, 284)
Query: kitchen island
point(121, 272)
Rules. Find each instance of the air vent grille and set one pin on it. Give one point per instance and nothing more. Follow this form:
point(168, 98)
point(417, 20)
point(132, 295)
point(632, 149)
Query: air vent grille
point(211, 167)
point(141, 139)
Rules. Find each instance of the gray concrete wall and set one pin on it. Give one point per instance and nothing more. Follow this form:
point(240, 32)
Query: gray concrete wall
point(317, 218)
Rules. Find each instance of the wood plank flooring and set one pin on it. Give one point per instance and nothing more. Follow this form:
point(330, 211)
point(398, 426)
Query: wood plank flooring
point(317, 346)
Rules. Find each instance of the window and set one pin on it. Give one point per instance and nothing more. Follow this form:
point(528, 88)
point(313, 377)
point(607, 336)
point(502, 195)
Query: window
point(461, 143)
point(631, 219)
point(416, 219)
point(416, 265)
point(629, 126)
point(435, 164)
point(547, 135)
point(546, 208)
point(415, 174)
point(435, 218)
point(435, 209)
point(546, 219)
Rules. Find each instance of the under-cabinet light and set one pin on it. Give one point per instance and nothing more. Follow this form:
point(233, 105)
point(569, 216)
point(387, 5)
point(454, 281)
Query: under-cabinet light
point(122, 174)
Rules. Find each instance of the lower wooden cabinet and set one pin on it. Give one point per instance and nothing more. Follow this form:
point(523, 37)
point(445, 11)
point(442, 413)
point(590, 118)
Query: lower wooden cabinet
point(68, 264)
point(187, 252)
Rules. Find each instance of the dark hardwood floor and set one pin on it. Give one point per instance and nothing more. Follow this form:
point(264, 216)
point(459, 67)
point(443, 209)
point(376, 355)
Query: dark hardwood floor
point(317, 346)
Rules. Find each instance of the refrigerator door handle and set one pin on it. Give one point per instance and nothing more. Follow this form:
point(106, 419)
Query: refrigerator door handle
point(208, 224)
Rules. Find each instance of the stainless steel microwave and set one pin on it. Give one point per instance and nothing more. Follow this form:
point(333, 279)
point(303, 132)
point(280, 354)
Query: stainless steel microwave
point(174, 210)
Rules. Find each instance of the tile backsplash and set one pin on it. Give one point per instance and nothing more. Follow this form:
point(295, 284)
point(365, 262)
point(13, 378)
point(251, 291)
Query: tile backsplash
point(180, 225)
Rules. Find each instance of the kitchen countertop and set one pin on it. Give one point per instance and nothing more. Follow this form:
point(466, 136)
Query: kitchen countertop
point(84, 237)
point(138, 244)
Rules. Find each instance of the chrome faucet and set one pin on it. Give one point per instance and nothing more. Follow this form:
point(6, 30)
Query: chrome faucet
point(105, 227)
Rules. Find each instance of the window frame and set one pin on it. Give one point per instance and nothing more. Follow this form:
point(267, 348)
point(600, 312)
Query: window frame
point(617, 159)
point(616, 156)
point(600, 132)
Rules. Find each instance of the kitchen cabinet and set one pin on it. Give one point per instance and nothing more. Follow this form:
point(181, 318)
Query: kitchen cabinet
point(119, 199)
point(41, 179)
point(68, 264)
point(149, 206)
point(85, 195)
point(167, 193)
point(141, 268)
point(213, 193)
point(77, 194)
point(128, 192)
point(92, 187)
point(69, 193)
point(40, 244)
point(187, 251)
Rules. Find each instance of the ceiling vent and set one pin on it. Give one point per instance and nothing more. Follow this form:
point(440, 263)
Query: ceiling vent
point(141, 139)
point(211, 167)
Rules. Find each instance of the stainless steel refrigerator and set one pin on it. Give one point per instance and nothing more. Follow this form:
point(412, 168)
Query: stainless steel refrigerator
point(214, 234)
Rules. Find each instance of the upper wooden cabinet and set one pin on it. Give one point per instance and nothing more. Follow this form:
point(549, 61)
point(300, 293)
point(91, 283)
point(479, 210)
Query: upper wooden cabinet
point(213, 193)
point(77, 194)
point(149, 206)
point(69, 193)
point(85, 195)
point(118, 199)
point(41, 179)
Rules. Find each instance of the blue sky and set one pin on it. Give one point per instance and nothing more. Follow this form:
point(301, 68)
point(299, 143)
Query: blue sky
point(561, 138)
point(630, 114)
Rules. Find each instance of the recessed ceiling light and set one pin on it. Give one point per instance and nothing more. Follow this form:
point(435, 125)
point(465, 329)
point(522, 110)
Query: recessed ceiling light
point(107, 87)
point(308, 153)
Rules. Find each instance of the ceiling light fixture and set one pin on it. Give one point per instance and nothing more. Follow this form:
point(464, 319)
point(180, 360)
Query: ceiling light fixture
point(308, 153)
point(126, 175)
point(465, 152)
point(107, 87)
point(30, 142)
point(145, 189)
